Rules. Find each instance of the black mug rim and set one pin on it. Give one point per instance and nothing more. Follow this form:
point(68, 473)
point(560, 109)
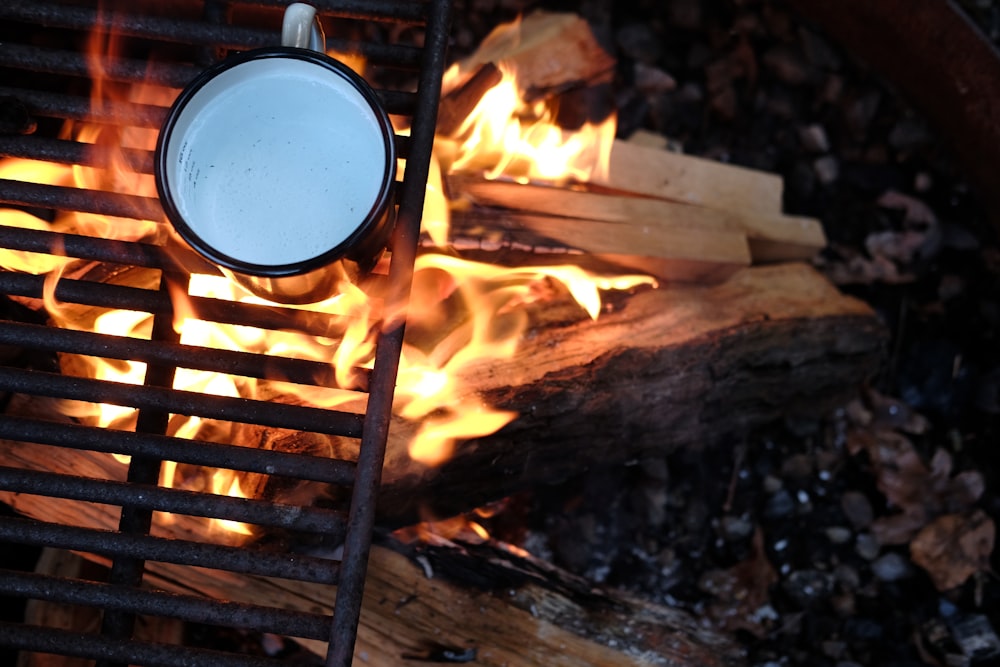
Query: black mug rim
point(376, 215)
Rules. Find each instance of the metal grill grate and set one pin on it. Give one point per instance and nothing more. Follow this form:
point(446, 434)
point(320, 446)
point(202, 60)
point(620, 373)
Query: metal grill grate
point(46, 82)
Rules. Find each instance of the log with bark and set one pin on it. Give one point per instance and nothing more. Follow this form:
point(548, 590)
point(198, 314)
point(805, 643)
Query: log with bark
point(421, 603)
point(681, 366)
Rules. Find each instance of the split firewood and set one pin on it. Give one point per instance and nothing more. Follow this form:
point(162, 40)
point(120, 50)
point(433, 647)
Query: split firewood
point(752, 198)
point(652, 172)
point(671, 241)
point(419, 601)
point(550, 52)
point(457, 104)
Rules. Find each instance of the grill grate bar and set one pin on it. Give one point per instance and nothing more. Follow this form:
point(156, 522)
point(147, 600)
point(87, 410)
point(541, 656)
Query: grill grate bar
point(244, 560)
point(208, 309)
point(361, 519)
point(263, 413)
point(189, 32)
point(70, 63)
point(71, 107)
point(74, 152)
point(176, 501)
point(64, 198)
point(84, 154)
point(231, 362)
point(47, 640)
point(96, 279)
point(184, 607)
point(378, 10)
point(104, 250)
point(195, 452)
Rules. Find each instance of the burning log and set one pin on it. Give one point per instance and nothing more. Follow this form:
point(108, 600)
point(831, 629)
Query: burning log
point(550, 52)
point(683, 366)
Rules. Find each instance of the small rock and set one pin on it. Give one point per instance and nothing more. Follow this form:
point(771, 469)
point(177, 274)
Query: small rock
point(833, 648)
point(787, 65)
point(891, 567)
point(902, 246)
point(651, 79)
point(923, 182)
point(639, 42)
point(863, 629)
point(861, 110)
point(827, 169)
point(951, 286)
point(814, 139)
point(858, 509)
point(867, 546)
point(838, 534)
point(847, 577)
point(773, 484)
point(798, 466)
point(735, 528)
point(844, 605)
point(832, 90)
point(976, 637)
point(779, 505)
point(808, 587)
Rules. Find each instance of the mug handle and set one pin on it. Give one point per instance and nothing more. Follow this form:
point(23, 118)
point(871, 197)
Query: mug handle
point(301, 28)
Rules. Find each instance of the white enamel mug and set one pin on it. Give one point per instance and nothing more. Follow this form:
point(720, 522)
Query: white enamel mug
point(277, 164)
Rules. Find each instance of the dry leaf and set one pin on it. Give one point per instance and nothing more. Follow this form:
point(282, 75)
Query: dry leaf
point(899, 528)
point(901, 475)
point(954, 547)
point(742, 591)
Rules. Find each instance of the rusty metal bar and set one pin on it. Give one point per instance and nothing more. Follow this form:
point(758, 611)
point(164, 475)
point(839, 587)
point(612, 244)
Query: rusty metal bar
point(185, 607)
point(176, 501)
point(195, 452)
point(263, 413)
point(244, 559)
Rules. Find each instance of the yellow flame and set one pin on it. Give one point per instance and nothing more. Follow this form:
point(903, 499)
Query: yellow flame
point(461, 313)
point(505, 136)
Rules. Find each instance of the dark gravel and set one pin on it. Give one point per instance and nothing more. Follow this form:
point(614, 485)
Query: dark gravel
point(781, 538)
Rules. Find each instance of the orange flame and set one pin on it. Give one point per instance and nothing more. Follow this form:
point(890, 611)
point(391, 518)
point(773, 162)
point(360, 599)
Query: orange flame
point(475, 310)
point(506, 136)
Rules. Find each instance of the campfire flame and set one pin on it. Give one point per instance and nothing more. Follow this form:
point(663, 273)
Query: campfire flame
point(506, 136)
point(480, 306)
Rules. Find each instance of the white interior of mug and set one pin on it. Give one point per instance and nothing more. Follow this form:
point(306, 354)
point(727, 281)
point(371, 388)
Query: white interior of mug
point(276, 161)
